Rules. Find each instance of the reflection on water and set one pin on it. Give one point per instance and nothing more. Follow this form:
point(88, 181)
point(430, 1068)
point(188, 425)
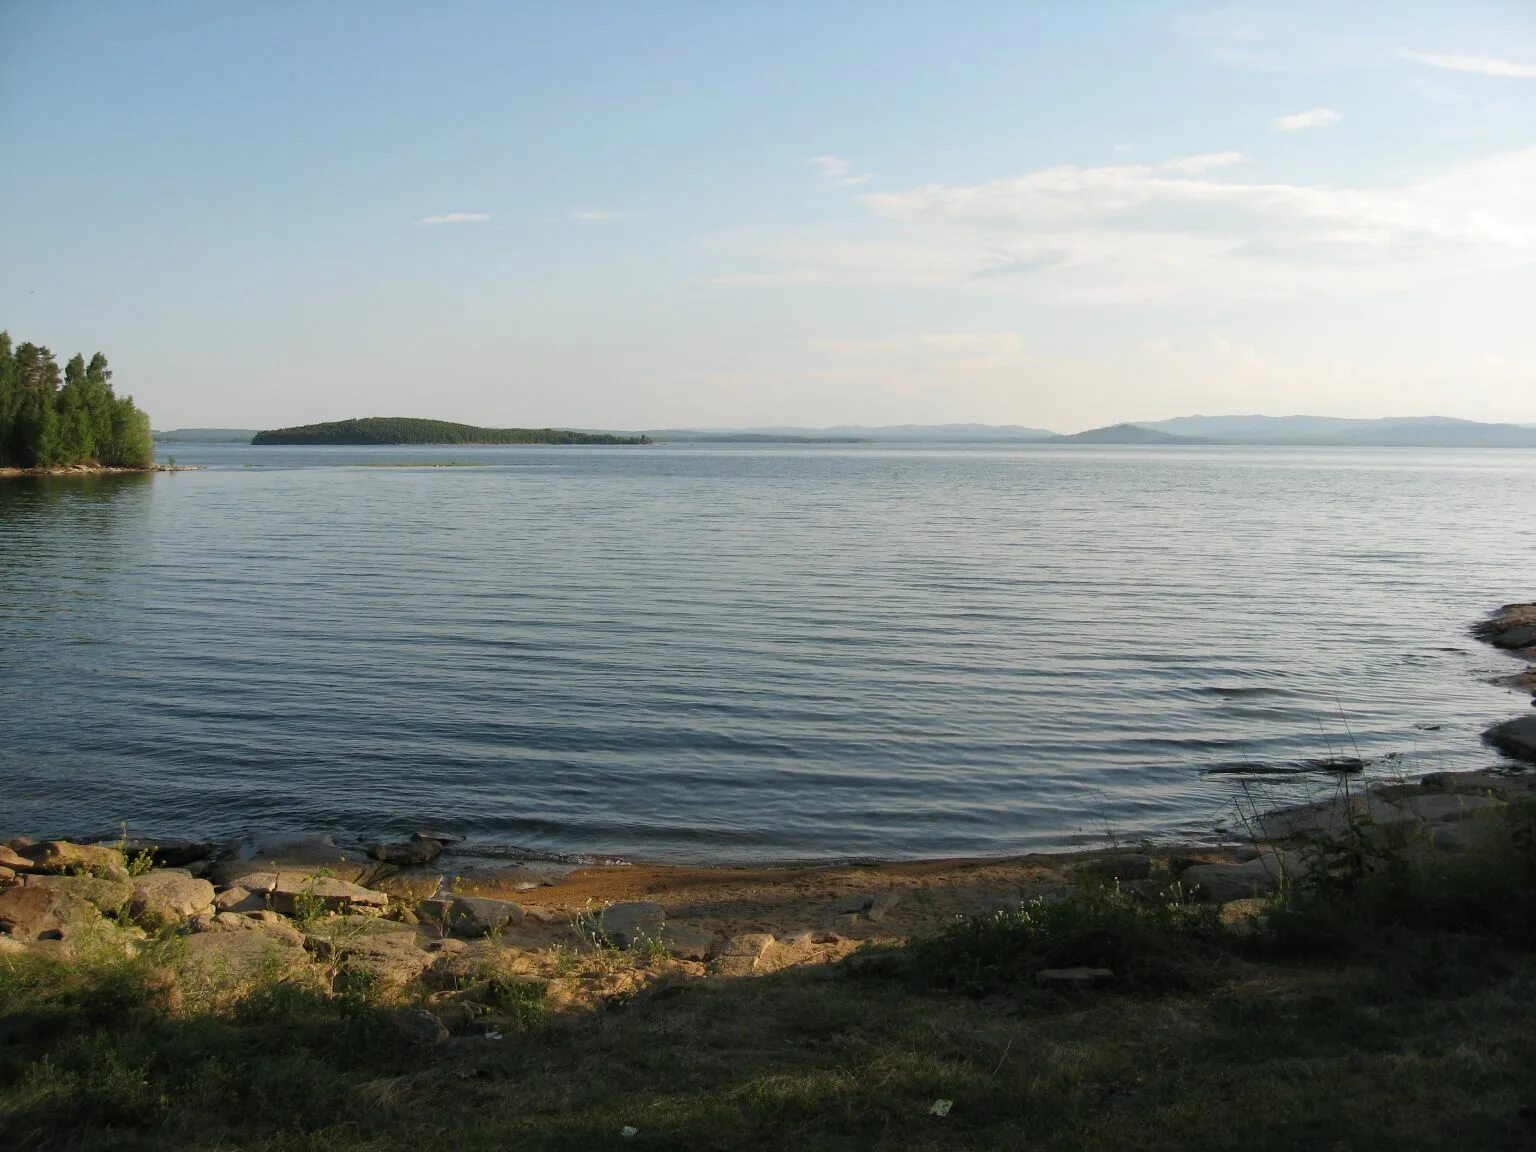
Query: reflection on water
point(742, 652)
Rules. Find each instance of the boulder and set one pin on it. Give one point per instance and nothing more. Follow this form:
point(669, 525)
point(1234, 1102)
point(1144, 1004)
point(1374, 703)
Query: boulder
point(10, 858)
point(61, 857)
point(167, 853)
point(1073, 977)
point(238, 899)
point(685, 941)
point(1514, 738)
point(882, 903)
point(419, 1028)
point(1257, 877)
point(289, 892)
point(310, 855)
point(470, 915)
point(109, 896)
point(413, 852)
point(368, 950)
point(42, 913)
point(741, 954)
point(6, 874)
point(234, 957)
point(624, 924)
point(169, 896)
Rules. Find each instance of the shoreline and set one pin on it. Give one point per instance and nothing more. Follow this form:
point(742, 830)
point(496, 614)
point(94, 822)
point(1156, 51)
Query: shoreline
point(98, 470)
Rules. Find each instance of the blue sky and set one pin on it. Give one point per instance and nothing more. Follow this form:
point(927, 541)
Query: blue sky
point(652, 214)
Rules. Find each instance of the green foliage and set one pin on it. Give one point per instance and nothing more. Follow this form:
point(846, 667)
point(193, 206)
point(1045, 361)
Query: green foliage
point(1157, 943)
point(404, 430)
point(48, 420)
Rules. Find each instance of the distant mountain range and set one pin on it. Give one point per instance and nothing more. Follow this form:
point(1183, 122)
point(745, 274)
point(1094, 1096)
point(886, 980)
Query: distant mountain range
point(1386, 432)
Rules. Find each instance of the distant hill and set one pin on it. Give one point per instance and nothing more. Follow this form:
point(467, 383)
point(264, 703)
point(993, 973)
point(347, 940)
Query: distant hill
point(205, 436)
point(1125, 434)
point(686, 436)
point(407, 430)
point(857, 433)
point(1386, 432)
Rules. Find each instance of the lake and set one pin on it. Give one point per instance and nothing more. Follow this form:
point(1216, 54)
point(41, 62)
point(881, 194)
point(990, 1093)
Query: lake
point(745, 653)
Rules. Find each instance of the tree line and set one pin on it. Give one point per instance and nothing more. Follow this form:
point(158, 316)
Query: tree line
point(406, 430)
point(50, 419)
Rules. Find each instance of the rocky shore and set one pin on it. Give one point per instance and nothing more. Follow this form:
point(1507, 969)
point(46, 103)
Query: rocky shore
point(96, 470)
point(447, 937)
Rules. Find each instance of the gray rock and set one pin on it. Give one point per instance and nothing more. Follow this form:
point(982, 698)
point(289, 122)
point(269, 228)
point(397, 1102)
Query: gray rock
point(168, 853)
point(169, 896)
point(225, 959)
point(409, 854)
point(1519, 636)
point(239, 899)
point(686, 942)
point(624, 923)
point(286, 892)
point(470, 915)
point(1257, 877)
point(1514, 738)
point(368, 950)
point(62, 857)
point(43, 913)
point(741, 954)
point(304, 854)
point(110, 896)
point(1073, 977)
point(438, 837)
point(882, 903)
point(1439, 809)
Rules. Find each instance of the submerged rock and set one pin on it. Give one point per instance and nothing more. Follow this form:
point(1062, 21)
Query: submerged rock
point(1514, 738)
point(412, 853)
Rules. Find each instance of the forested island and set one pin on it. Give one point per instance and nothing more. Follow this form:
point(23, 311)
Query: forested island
point(50, 419)
point(405, 430)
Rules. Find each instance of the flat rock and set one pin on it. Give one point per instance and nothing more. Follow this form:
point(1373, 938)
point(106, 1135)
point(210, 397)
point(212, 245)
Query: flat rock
point(741, 954)
point(109, 896)
point(1073, 977)
point(1514, 738)
point(42, 913)
point(788, 951)
point(1482, 782)
point(305, 854)
point(238, 899)
point(167, 853)
point(63, 857)
point(369, 950)
point(286, 892)
point(882, 903)
point(1257, 877)
point(438, 837)
point(1439, 809)
point(686, 942)
point(234, 957)
point(625, 923)
point(169, 896)
point(470, 916)
point(10, 858)
point(408, 854)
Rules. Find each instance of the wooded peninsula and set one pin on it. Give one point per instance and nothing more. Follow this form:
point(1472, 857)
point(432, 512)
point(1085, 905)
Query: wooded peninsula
point(405, 430)
point(49, 420)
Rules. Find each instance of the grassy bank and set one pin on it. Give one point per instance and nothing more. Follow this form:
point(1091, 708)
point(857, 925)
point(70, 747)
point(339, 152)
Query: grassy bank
point(1383, 1002)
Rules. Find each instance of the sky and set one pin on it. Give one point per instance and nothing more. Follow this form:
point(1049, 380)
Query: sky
point(648, 214)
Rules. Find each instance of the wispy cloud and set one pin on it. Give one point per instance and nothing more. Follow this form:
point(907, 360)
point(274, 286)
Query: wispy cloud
point(1482, 65)
point(1300, 121)
point(1203, 163)
point(839, 171)
point(1121, 233)
point(456, 218)
point(591, 214)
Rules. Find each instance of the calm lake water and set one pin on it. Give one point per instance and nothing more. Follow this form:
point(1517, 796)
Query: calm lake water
point(744, 653)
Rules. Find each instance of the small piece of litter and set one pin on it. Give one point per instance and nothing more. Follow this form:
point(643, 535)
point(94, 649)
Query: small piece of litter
point(629, 1130)
point(941, 1107)
point(493, 1035)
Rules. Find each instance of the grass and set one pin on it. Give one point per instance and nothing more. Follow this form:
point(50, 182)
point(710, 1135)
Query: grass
point(1384, 1006)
